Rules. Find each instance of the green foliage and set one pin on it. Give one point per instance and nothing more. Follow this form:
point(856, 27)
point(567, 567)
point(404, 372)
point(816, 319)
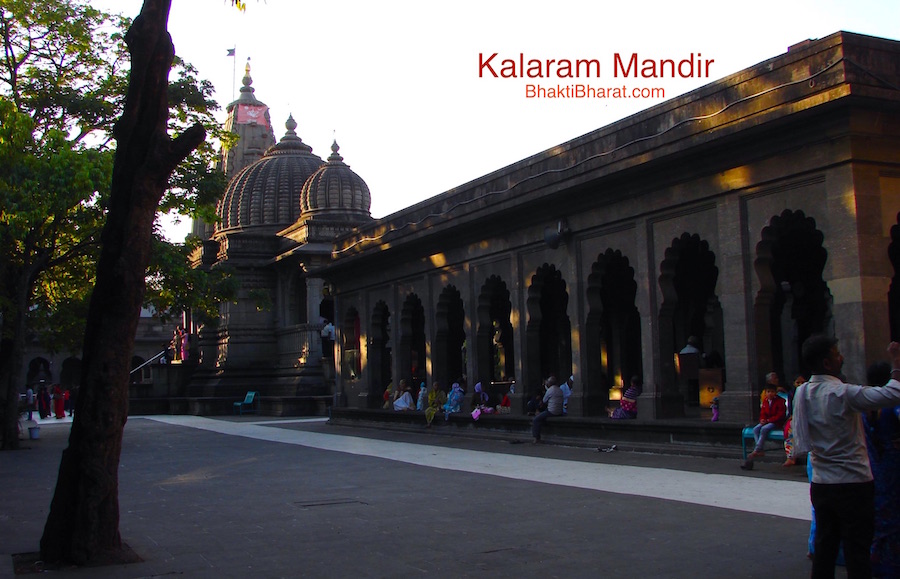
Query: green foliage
point(196, 184)
point(63, 81)
point(174, 286)
point(51, 213)
point(65, 65)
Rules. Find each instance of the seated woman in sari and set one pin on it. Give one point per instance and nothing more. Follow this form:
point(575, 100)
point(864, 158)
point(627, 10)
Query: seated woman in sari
point(454, 400)
point(628, 405)
point(404, 399)
point(479, 397)
point(436, 400)
point(422, 398)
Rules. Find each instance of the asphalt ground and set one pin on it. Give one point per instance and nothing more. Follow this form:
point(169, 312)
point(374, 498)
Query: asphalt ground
point(255, 497)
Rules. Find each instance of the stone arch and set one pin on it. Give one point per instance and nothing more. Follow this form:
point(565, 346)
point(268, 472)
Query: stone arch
point(548, 334)
point(351, 354)
point(793, 301)
point(495, 357)
point(894, 290)
point(690, 307)
point(449, 349)
point(411, 350)
point(39, 369)
point(612, 329)
point(379, 353)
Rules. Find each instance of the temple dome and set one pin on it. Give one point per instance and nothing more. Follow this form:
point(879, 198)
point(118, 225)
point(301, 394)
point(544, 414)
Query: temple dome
point(266, 193)
point(336, 192)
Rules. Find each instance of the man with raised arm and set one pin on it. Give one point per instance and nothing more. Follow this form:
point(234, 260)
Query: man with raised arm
point(828, 424)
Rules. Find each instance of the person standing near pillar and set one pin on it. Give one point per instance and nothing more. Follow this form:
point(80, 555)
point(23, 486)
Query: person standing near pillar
point(328, 339)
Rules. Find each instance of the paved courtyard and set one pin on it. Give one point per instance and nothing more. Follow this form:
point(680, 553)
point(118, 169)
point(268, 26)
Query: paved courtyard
point(257, 497)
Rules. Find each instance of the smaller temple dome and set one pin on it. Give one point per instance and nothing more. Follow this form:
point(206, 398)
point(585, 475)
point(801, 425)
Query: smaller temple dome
point(336, 192)
point(267, 192)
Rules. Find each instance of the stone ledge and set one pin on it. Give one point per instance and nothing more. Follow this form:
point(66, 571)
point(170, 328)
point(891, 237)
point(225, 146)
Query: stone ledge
point(224, 405)
point(672, 436)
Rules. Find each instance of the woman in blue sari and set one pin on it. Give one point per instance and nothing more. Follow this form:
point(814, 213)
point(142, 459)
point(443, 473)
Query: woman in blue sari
point(454, 400)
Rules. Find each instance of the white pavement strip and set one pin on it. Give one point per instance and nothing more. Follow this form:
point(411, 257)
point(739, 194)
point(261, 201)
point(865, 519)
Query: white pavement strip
point(787, 499)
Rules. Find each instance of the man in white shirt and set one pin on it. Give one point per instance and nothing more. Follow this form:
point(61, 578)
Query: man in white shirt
point(827, 423)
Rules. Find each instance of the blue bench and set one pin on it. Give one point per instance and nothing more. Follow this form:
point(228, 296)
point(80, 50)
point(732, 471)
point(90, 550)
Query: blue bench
point(250, 404)
point(776, 434)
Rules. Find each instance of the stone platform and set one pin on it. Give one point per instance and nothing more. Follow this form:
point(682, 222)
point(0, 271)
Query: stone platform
point(683, 436)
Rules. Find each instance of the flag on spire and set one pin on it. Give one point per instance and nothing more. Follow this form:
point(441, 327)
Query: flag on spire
point(230, 52)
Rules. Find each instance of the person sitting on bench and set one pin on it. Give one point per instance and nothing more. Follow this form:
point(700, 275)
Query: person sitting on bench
point(772, 414)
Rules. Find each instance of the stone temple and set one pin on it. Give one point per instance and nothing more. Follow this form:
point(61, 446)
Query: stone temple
point(749, 213)
point(281, 212)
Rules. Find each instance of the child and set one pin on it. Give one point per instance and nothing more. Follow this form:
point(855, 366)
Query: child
point(772, 415)
point(388, 396)
point(505, 405)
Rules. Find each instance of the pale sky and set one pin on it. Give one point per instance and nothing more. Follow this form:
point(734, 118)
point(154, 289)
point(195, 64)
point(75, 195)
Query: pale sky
point(397, 84)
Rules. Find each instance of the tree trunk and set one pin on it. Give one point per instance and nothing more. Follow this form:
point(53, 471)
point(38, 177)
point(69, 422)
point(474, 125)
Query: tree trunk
point(19, 283)
point(83, 524)
point(11, 345)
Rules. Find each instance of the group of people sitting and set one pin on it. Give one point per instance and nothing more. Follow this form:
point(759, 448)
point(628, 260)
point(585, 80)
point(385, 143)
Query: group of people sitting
point(555, 401)
point(551, 401)
point(435, 400)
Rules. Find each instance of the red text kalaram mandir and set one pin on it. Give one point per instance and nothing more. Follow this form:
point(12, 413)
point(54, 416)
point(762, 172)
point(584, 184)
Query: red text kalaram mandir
point(493, 65)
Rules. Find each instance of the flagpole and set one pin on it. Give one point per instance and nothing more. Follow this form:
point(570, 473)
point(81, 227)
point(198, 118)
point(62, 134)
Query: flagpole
point(231, 53)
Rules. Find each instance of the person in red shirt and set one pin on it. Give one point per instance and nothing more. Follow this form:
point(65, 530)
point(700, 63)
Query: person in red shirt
point(772, 414)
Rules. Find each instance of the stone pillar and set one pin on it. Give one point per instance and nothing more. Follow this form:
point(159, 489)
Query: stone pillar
point(314, 286)
point(861, 311)
point(645, 273)
point(207, 346)
point(332, 371)
point(738, 403)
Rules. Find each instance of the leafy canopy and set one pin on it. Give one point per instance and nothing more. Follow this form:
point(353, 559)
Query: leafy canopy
point(63, 80)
